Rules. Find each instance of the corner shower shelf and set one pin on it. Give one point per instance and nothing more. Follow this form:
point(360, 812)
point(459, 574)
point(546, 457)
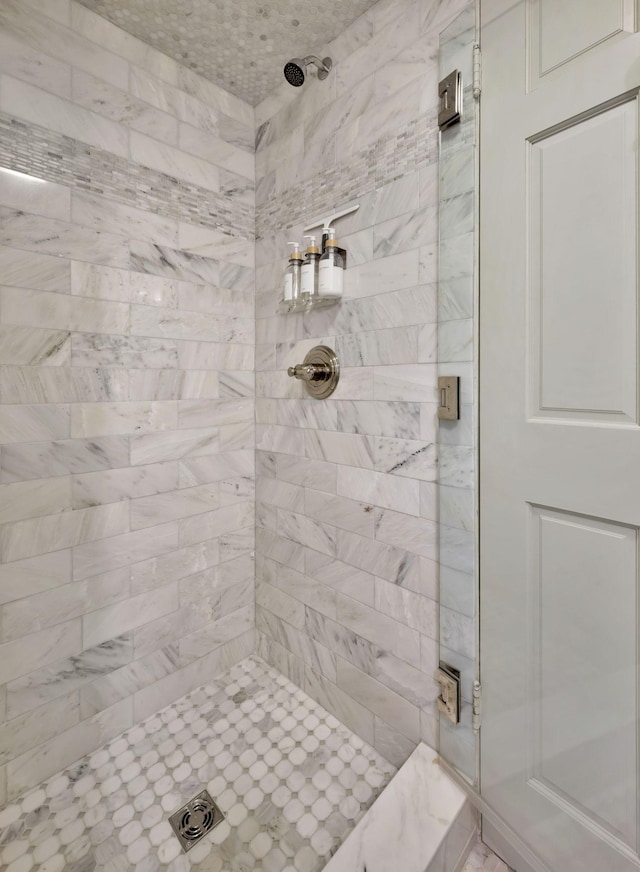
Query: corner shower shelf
point(286, 307)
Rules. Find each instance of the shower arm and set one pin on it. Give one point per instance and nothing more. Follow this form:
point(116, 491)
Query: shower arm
point(320, 64)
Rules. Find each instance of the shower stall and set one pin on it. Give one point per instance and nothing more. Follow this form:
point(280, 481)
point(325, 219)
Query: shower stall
point(224, 602)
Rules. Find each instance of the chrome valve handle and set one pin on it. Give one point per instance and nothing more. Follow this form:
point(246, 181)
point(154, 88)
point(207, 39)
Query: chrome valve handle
point(310, 371)
point(320, 372)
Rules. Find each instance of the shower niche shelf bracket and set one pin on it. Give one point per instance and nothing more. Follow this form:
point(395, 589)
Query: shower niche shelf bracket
point(308, 303)
point(288, 307)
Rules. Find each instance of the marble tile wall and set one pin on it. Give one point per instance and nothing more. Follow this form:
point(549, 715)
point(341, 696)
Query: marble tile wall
point(347, 541)
point(127, 428)
point(457, 355)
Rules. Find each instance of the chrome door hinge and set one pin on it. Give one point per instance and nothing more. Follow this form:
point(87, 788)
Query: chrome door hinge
point(449, 390)
point(476, 716)
point(450, 699)
point(477, 72)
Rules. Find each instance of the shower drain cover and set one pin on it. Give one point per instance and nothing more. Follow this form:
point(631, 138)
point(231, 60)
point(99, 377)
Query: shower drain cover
point(195, 819)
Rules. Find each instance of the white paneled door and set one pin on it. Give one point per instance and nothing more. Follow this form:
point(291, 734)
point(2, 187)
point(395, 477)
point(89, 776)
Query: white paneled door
point(560, 428)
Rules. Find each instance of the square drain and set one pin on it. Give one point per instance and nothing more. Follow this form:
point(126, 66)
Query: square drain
point(195, 819)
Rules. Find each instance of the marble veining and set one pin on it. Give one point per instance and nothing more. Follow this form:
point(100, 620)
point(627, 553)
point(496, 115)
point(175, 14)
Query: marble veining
point(33, 269)
point(30, 691)
point(409, 827)
point(39, 459)
point(60, 238)
point(26, 346)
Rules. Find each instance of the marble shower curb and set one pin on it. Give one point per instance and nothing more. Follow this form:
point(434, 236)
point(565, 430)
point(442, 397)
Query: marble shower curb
point(422, 822)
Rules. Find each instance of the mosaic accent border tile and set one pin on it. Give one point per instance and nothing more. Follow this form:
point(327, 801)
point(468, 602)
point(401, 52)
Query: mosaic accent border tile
point(291, 780)
point(388, 159)
point(34, 150)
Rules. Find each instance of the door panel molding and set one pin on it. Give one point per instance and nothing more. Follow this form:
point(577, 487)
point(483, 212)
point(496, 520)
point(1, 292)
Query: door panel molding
point(600, 831)
point(582, 344)
point(557, 37)
point(584, 567)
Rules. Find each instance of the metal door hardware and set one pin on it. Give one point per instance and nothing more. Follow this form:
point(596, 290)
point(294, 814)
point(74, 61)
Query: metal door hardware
point(476, 714)
point(320, 372)
point(450, 93)
point(449, 390)
point(449, 701)
point(477, 72)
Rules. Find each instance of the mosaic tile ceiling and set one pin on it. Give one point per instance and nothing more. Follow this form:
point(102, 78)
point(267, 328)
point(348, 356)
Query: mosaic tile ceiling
point(240, 45)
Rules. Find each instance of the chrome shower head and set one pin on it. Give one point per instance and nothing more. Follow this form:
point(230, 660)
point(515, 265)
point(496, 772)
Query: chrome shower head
point(294, 72)
point(295, 69)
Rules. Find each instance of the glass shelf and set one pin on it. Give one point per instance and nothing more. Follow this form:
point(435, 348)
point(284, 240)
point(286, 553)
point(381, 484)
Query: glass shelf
point(306, 304)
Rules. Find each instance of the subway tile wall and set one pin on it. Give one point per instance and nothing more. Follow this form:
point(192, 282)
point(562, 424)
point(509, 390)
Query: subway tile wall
point(128, 352)
point(348, 541)
point(126, 381)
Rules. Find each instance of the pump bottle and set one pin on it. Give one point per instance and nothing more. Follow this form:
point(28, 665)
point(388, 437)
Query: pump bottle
point(292, 276)
point(309, 271)
point(331, 268)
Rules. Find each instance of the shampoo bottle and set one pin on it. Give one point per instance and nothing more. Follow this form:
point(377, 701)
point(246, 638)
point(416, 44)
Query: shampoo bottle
point(292, 276)
point(309, 278)
point(331, 268)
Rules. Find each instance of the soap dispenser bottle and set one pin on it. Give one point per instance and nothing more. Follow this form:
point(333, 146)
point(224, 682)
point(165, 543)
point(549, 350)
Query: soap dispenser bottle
point(331, 268)
point(292, 276)
point(309, 271)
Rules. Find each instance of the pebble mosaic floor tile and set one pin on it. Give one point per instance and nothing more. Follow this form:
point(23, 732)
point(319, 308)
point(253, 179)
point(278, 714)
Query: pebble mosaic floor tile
point(291, 780)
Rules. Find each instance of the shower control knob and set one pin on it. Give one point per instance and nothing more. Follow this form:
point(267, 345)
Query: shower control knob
point(320, 372)
point(310, 371)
